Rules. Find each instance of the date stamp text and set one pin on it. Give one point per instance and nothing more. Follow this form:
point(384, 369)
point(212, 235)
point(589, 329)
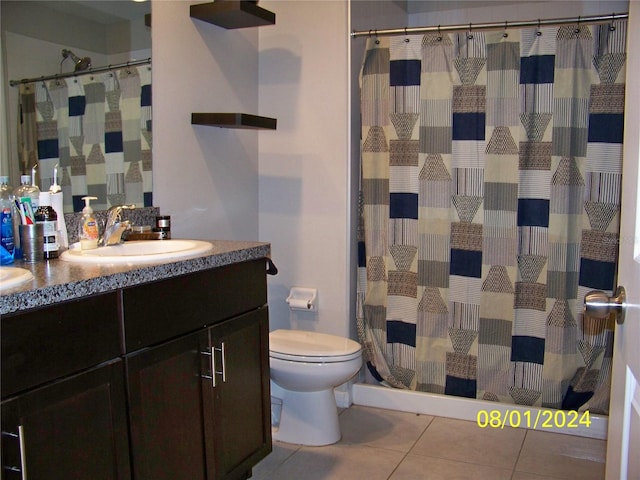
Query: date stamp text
point(533, 419)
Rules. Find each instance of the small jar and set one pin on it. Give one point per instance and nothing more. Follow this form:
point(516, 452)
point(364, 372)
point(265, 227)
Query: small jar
point(163, 223)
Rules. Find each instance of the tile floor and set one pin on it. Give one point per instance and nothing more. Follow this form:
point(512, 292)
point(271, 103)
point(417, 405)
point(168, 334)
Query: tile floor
point(385, 444)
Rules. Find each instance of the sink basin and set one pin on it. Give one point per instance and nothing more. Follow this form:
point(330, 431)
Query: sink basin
point(138, 251)
point(13, 276)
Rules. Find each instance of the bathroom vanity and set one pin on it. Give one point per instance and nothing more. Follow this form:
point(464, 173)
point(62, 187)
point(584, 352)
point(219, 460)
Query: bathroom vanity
point(152, 372)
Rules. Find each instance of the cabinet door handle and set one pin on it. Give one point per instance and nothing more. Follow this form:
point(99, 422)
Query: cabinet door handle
point(23, 465)
point(23, 452)
point(215, 372)
point(224, 363)
point(208, 354)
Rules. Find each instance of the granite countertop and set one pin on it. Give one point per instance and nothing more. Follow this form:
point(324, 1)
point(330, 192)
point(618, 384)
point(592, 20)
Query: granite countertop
point(56, 280)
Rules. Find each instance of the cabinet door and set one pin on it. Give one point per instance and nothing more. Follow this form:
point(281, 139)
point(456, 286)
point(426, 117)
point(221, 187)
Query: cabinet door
point(75, 428)
point(238, 404)
point(165, 401)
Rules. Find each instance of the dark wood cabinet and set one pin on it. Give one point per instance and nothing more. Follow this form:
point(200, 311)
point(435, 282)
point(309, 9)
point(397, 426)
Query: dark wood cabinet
point(185, 427)
point(75, 428)
point(238, 407)
point(167, 380)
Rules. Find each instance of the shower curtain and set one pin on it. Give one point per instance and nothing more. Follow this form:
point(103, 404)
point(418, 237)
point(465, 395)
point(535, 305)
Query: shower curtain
point(490, 190)
point(97, 128)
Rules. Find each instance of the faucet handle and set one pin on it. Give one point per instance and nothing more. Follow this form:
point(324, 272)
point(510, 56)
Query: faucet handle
point(114, 212)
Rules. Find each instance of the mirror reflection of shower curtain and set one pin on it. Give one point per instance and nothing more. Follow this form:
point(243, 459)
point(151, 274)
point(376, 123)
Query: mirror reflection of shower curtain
point(98, 129)
point(490, 188)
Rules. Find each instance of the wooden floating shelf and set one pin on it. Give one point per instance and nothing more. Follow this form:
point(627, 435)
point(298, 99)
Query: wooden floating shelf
point(234, 120)
point(233, 14)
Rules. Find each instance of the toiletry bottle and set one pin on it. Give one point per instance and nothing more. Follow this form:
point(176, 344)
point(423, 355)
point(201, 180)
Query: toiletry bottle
point(57, 203)
point(6, 215)
point(48, 217)
point(34, 191)
point(88, 226)
point(23, 189)
point(27, 192)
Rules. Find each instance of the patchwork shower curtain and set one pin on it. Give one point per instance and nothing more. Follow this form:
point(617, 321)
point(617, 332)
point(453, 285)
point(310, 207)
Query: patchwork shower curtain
point(490, 190)
point(97, 128)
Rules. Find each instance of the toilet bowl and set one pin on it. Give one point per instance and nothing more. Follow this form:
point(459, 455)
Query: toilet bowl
point(305, 368)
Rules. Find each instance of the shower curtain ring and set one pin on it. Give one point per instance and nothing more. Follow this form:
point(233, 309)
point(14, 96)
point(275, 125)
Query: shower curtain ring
point(577, 29)
point(406, 40)
point(469, 36)
point(612, 27)
point(538, 32)
point(505, 34)
point(439, 34)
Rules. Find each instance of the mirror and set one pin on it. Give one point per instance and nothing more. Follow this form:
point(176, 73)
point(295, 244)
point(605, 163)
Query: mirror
point(34, 35)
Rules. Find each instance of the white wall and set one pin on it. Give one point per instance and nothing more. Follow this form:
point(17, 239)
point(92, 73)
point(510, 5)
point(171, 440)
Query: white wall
point(304, 165)
point(205, 177)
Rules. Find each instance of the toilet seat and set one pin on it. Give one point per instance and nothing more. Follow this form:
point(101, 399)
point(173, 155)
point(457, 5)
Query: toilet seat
point(311, 347)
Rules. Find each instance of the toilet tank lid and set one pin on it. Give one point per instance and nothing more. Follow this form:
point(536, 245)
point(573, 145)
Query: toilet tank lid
point(299, 342)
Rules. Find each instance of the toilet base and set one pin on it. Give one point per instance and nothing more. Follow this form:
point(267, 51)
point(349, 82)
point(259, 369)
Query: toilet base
point(307, 418)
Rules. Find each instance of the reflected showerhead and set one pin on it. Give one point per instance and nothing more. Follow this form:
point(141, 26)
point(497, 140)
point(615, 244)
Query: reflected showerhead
point(80, 63)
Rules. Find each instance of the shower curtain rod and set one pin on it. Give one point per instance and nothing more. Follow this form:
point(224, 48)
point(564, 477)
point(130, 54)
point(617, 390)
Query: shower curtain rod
point(491, 26)
point(106, 68)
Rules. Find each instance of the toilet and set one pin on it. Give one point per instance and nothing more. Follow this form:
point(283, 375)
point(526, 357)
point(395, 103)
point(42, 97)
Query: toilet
point(305, 368)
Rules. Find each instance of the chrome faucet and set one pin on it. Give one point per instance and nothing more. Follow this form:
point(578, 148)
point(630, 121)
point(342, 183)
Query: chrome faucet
point(114, 226)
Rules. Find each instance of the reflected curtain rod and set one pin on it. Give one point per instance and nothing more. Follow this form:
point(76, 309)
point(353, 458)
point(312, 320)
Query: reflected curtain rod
point(491, 26)
point(106, 68)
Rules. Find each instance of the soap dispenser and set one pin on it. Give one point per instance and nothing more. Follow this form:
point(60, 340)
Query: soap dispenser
point(88, 231)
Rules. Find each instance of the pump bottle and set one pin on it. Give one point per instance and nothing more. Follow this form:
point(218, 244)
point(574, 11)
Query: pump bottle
point(88, 231)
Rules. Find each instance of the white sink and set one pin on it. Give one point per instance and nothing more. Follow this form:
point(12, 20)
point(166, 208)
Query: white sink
point(137, 252)
point(13, 276)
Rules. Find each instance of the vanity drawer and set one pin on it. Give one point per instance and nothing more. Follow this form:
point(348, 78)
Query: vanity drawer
point(47, 343)
point(158, 311)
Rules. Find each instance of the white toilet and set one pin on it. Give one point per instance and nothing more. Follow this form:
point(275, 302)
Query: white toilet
point(305, 368)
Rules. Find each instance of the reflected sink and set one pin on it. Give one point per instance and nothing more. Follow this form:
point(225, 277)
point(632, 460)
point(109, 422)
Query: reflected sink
point(137, 252)
point(13, 276)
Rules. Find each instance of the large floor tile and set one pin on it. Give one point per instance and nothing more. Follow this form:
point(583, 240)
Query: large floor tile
point(337, 462)
point(464, 441)
point(415, 467)
point(382, 428)
point(562, 456)
point(281, 451)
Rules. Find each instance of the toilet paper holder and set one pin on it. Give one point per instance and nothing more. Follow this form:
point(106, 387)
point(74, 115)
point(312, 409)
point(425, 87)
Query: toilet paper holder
point(301, 298)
